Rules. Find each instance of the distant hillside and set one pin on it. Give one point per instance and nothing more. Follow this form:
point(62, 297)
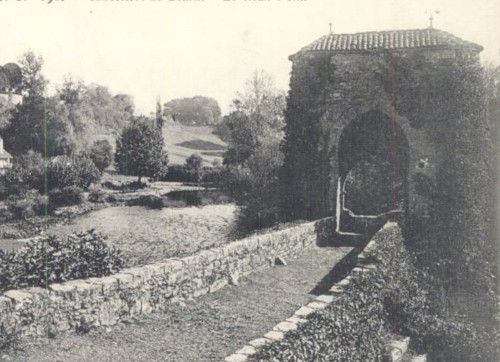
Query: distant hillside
point(181, 141)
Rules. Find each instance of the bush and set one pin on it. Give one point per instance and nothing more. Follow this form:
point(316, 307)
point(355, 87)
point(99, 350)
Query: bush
point(96, 195)
point(183, 173)
point(353, 328)
point(26, 174)
point(28, 205)
point(67, 196)
point(78, 256)
point(131, 186)
point(77, 170)
point(101, 153)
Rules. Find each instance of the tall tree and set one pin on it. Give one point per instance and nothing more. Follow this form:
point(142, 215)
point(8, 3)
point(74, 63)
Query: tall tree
point(139, 150)
point(34, 83)
point(253, 131)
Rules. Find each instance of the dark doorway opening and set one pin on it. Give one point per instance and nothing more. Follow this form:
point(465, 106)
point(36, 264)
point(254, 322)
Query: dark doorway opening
point(373, 164)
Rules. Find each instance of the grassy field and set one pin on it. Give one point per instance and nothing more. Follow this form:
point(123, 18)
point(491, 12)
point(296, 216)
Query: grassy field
point(145, 235)
point(182, 141)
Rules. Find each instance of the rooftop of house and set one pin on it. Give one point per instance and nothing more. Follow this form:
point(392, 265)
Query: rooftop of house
point(392, 39)
point(4, 155)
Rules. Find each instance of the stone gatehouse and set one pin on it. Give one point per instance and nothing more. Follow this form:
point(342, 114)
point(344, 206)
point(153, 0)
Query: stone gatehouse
point(369, 117)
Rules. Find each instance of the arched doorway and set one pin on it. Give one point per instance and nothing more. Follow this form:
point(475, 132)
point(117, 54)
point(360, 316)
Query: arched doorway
point(373, 160)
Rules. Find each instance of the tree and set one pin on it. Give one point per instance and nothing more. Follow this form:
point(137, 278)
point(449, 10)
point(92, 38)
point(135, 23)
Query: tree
point(253, 131)
point(195, 110)
point(101, 153)
point(40, 125)
point(193, 165)
point(139, 150)
point(34, 83)
point(15, 76)
point(160, 118)
point(257, 116)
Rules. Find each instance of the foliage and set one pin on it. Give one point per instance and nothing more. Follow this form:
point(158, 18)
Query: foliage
point(30, 204)
point(181, 173)
point(196, 110)
point(29, 172)
point(77, 170)
point(96, 194)
point(93, 110)
point(64, 123)
point(10, 333)
point(124, 187)
point(193, 166)
point(50, 260)
point(11, 78)
point(41, 125)
point(101, 153)
point(304, 191)
point(34, 83)
point(392, 297)
point(461, 241)
point(256, 187)
point(26, 173)
point(139, 151)
point(350, 330)
point(67, 196)
point(253, 131)
point(6, 109)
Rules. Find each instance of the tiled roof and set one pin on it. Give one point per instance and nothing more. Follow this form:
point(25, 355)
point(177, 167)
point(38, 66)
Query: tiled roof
point(394, 39)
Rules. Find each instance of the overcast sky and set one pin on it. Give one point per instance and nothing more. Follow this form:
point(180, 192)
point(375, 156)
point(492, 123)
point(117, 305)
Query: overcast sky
point(180, 48)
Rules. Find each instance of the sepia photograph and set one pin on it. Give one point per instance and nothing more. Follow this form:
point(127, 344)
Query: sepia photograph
point(249, 180)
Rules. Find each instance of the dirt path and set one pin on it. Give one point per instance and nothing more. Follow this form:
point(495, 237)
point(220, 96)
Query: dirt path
point(208, 328)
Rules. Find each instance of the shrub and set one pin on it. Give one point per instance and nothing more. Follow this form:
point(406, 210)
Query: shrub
point(134, 185)
point(26, 174)
point(96, 195)
point(352, 329)
point(77, 170)
point(67, 196)
point(10, 333)
point(193, 165)
point(182, 173)
point(101, 153)
point(81, 255)
point(28, 205)
point(393, 295)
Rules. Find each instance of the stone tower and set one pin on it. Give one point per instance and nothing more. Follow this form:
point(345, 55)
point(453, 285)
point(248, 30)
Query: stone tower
point(369, 122)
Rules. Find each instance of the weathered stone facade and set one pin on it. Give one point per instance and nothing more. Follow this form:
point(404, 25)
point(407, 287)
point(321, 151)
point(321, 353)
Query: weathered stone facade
point(404, 81)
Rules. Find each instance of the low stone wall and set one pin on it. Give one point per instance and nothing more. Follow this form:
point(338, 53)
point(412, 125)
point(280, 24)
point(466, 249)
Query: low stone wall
point(81, 304)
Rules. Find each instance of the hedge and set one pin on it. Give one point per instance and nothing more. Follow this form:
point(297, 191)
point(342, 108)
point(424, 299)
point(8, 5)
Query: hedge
point(390, 299)
point(51, 259)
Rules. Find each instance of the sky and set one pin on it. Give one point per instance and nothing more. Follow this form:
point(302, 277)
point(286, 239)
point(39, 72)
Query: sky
point(173, 49)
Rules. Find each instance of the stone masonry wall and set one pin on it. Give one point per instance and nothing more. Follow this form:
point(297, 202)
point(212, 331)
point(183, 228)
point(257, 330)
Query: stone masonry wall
point(80, 304)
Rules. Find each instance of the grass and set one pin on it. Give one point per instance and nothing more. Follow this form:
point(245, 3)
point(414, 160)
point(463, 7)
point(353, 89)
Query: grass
point(145, 235)
point(207, 328)
point(177, 136)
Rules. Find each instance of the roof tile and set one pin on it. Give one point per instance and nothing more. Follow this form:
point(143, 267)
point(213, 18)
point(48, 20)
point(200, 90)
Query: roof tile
point(394, 39)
